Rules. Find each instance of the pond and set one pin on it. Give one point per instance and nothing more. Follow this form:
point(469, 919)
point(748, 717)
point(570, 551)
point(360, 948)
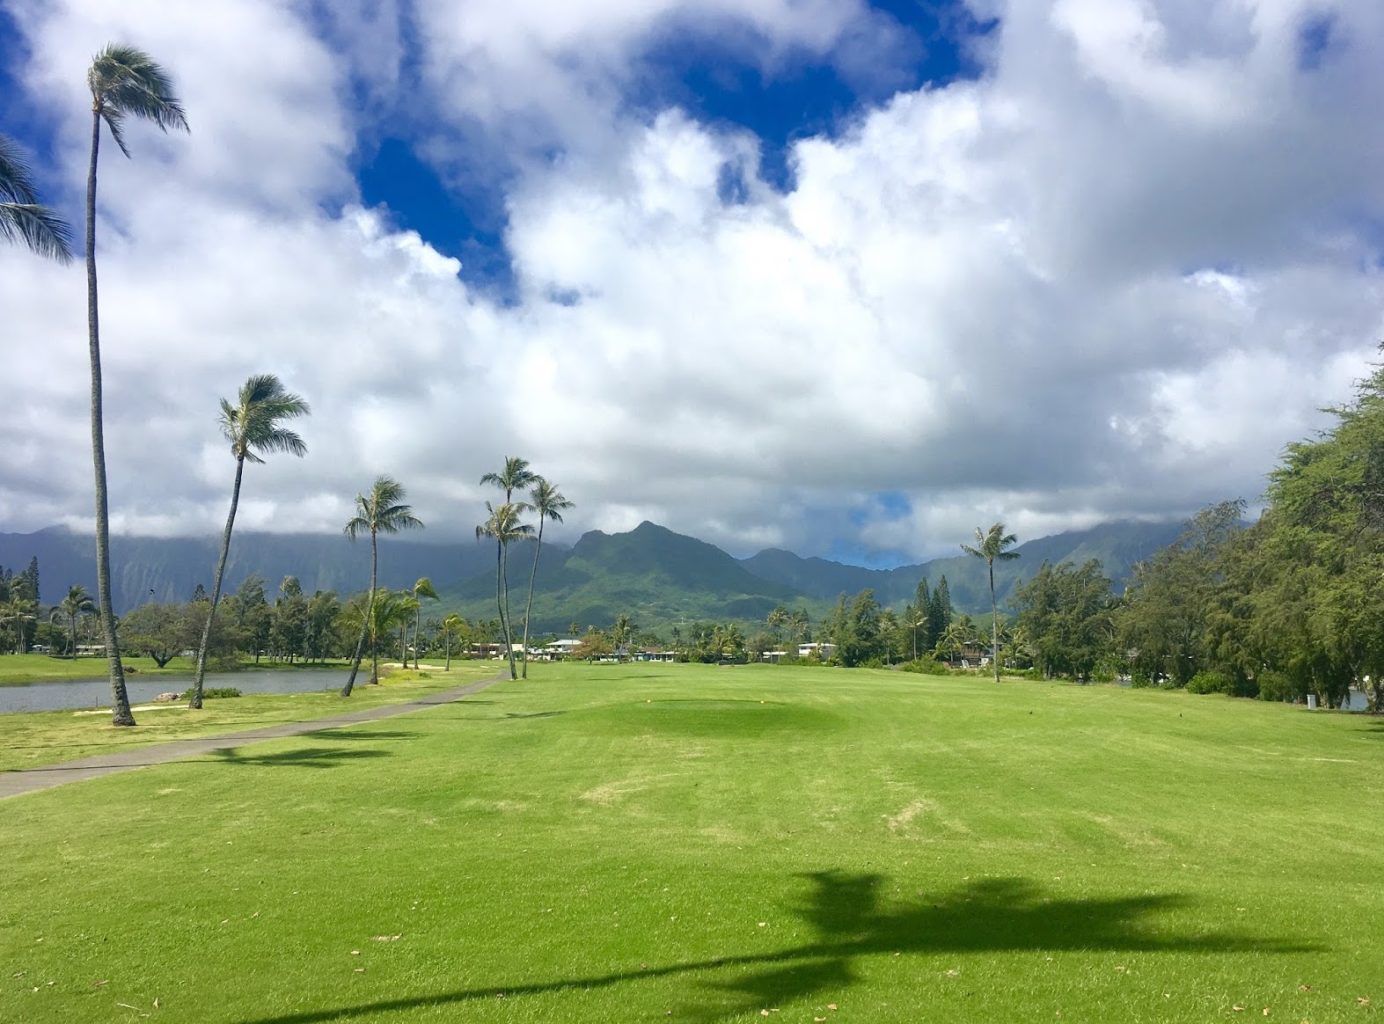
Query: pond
point(76, 694)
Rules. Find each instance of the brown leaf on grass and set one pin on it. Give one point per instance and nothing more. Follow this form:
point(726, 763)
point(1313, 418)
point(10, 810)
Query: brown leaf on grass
point(831, 1006)
point(386, 938)
point(1304, 988)
point(1361, 1001)
point(1238, 1008)
point(98, 984)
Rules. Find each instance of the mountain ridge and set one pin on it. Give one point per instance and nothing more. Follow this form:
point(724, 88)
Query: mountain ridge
point(655, 575)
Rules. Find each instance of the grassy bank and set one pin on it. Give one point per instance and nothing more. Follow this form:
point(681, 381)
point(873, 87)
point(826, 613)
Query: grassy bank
point(24, 669)
point(688, 843)
point(32, 739)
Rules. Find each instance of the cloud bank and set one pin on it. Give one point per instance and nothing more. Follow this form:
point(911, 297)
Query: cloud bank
point(1110, 277)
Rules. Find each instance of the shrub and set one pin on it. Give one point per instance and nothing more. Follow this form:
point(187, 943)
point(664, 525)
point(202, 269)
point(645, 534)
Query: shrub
point(212, 693)
point(1210, 681)
point(1278, 686)
point(927, 667)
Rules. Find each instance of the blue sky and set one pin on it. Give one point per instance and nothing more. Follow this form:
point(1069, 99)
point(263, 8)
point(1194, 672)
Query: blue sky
point(844, 277)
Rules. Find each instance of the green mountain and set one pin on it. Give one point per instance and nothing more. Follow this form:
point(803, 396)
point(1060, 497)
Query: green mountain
point(1116, 545)
point(170, 568)
point(657, 577)
point(652, 574)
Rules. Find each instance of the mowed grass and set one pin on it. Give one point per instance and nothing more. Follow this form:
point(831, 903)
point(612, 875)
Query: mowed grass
point(682, 843)
point(30, 740)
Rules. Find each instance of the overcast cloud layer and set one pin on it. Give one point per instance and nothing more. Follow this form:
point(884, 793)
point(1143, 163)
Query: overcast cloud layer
point(1112, 277)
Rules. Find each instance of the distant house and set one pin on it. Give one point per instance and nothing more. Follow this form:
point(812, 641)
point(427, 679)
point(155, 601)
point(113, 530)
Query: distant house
point(557, 650)
point(822, 651)
point(773, 657)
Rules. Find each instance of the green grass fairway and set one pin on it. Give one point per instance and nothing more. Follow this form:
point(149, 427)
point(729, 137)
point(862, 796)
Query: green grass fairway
point(694, 844)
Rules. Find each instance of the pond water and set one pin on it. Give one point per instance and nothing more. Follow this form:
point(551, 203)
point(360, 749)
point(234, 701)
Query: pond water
point(77, 694)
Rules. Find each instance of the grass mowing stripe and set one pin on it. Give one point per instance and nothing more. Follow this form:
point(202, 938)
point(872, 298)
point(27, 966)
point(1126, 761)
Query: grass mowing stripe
point(616, 843)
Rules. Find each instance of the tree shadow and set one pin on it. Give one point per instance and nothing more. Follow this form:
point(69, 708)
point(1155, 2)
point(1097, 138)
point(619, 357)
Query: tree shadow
point(303, 757)
point(850, 921)
point(352, 733)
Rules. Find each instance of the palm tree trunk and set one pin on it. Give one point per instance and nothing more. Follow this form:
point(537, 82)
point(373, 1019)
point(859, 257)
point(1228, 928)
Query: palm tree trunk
point(196, 701)
point(120, 699)
point(448, 642)
point(417, 627)
point(994, 627)
point(364, 626)
point(502, 601)
point(370, 614)
point(528, 606)
point(72, 653)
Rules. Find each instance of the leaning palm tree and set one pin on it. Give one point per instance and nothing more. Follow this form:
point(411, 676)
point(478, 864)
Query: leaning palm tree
point(504, 527)
point(124, 82)
point(76, 604)
point(22, 216)
point(382, 511)
point(452, 628)
point(990, 546)
point(252, 426)
point(548, 503)
point(423, 588)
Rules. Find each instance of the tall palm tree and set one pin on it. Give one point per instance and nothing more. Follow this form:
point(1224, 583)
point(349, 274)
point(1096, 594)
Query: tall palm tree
point(252, 426)
point(503, 525)
point(548, 503)
point(22, 216)
point(124, 82)
point(991, 546)
point(77, 603)
point(423, 588)
point(382, 511)
point(515, 476)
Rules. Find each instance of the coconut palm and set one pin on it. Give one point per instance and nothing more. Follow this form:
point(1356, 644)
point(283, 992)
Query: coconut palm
point(504, 527)
point(124, 82)
point(991, 546)
point(22, 216)
point(423, 588)
point(252, 426)
point(453, 626)
point(76, 604)
point(515, 476)
point(548, 503)
point(382, 511)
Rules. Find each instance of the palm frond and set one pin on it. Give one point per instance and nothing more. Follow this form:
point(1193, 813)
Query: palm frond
point(125, 81)
point(16, 184)
point(43, 231)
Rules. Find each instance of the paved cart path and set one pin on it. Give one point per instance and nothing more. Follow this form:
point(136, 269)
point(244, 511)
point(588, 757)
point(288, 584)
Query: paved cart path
point(29, 780)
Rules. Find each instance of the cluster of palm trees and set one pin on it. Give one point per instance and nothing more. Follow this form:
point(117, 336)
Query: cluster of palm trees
point(505, 524)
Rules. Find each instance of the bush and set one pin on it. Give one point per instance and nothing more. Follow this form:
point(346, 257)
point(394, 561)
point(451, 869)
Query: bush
point(212, 693)
point(1210, 681)
point(1279, 686)
point(927, 667)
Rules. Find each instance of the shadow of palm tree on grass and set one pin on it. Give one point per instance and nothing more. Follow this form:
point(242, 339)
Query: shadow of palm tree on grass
point(845, 912)
point(303, 757)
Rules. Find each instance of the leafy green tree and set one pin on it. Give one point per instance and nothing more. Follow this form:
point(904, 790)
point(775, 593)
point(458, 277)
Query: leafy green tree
point(252, 426)
point(74, 605)
point(381, 511)
point(622, 635)
point(22, 217)
point(324, 611)
point(548, 503)
point(1066, 615)
point(939, 613)
point(991, 547)
point(289, 630)
point(124, 83)
point(1170, 598)
point(503, 525)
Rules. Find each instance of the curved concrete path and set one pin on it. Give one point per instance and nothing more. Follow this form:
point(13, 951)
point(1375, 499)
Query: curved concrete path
point(29, 780)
